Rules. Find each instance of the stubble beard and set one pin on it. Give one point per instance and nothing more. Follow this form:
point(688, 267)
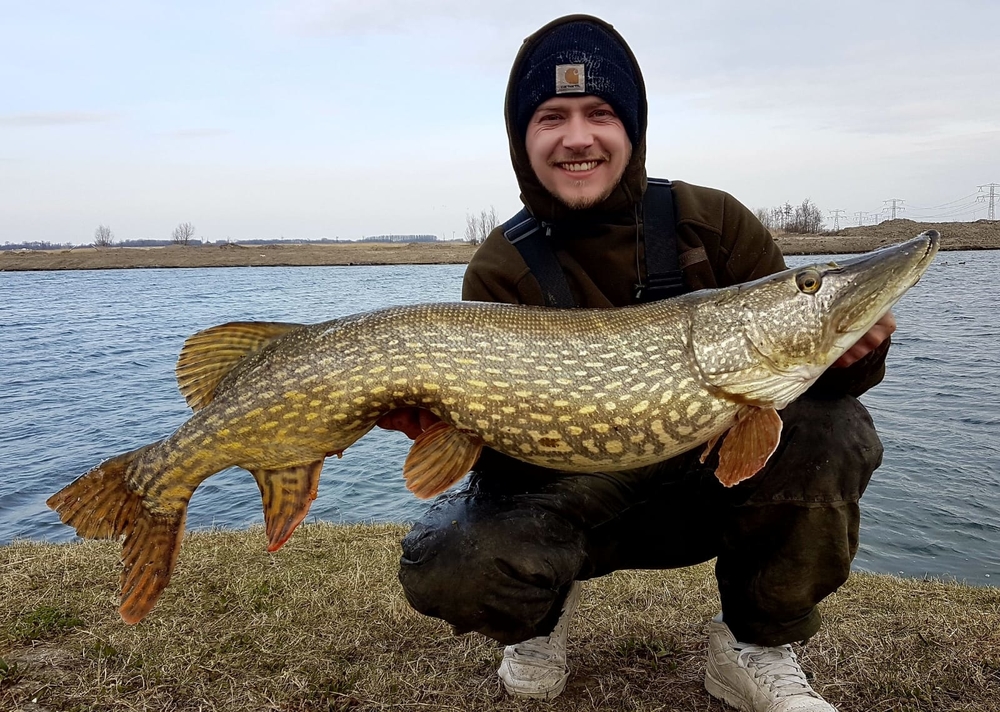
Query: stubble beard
point(580, 202)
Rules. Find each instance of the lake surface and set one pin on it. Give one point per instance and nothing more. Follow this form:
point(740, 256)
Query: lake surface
point(86, 372)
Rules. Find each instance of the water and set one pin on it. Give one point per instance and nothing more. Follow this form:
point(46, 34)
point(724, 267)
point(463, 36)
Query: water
point(86, 372)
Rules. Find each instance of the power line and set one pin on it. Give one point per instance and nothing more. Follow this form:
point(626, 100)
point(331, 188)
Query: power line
point(943, 205)
point(836, 218)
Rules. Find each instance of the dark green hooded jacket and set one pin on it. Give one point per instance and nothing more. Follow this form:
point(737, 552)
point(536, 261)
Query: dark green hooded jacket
point(720, 242)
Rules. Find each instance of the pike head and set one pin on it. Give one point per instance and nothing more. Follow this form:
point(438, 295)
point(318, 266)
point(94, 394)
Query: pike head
point(765, 342)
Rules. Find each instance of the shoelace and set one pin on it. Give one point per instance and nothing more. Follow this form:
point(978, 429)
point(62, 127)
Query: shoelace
point(777, 666)
point(538, 649)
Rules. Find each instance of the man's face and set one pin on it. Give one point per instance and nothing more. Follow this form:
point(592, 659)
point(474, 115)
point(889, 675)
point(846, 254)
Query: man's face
point(578, 148)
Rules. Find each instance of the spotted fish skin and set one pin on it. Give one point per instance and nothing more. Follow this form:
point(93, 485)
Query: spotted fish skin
point(574, 390)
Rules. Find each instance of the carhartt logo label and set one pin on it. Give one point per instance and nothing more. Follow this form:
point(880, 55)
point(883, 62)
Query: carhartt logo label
point(570, 79)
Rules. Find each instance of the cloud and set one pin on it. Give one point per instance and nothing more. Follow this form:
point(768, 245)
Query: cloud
point(54, 118)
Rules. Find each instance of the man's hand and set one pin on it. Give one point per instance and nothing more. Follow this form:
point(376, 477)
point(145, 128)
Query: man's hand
point(880, 331)
point(409, 421)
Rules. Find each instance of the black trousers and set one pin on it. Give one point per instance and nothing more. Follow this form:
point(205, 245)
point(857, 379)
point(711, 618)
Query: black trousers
point(498, 556)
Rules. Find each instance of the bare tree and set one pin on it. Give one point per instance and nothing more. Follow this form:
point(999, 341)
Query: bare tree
point(103, 237)
point(183, 233)
point(478, 227)
point(804, 218)
point(471, 229)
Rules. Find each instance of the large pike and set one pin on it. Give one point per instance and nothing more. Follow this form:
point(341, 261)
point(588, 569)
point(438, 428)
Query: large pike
point(576, 390)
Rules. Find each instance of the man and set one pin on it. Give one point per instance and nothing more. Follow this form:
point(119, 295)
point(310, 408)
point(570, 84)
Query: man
point(504, 556)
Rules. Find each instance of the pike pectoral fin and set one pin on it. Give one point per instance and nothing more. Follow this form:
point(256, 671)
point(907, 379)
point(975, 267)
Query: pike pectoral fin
point(748, 445)
point(287, 496)
point(440, 457)
point(208, 356)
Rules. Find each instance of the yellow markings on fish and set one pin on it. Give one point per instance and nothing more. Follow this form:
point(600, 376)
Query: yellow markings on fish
point(587, 410)
point(661, 434)
point(640, 407)
point(614, 447)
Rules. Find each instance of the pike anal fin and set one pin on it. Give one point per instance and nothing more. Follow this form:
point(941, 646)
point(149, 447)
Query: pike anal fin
point(440, 457)
point(748, 445)
point(100, 505)
point(287, 494)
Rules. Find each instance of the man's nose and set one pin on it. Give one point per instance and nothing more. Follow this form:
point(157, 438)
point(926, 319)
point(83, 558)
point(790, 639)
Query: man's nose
point(579, 136)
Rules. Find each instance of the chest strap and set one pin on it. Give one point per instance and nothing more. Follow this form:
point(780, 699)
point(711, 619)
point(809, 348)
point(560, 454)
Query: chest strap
point(664, 278)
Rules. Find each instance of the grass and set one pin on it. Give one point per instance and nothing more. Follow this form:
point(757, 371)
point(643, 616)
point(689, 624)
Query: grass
point(322, 626)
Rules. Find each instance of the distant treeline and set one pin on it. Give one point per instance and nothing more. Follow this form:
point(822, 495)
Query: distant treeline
point(44, 245)
point(400, 238)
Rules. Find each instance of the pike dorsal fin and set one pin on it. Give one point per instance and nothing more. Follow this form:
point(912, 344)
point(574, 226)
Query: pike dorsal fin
point(440, 457)
point(748, 444)
point(287, 493)
point(208, 356)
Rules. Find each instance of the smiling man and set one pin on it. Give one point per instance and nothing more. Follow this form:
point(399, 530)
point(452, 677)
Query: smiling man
point(505, 555)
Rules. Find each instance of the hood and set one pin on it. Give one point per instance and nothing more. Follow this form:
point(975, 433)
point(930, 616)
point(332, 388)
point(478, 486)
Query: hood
point(542, 204)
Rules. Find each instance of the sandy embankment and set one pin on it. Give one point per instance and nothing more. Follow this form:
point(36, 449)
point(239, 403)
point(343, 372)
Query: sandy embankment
point(980, 235)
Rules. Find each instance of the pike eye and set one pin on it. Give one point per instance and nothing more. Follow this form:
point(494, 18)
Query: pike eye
point(808, 281)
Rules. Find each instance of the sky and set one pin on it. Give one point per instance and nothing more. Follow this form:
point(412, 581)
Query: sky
point(307, 119)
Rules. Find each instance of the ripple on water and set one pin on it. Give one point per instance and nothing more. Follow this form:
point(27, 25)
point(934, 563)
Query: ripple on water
point(85, 377)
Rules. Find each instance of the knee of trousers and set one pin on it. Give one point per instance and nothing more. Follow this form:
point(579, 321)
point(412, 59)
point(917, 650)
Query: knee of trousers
point(492, 565)
point(827, 453)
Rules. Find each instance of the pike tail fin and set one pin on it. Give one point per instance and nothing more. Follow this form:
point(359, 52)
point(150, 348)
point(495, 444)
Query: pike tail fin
point(101, 505)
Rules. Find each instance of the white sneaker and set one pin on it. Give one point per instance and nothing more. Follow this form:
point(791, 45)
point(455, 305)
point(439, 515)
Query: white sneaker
point(537, 667)
point(757, 678)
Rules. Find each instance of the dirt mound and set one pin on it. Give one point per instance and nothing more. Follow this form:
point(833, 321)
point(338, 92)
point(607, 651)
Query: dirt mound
point(982, 234)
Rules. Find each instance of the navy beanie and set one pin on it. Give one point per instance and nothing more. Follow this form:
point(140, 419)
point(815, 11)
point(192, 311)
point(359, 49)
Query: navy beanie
point(575, 59)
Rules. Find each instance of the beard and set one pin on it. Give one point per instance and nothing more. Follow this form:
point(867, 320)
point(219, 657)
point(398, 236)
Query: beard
point(584, 202)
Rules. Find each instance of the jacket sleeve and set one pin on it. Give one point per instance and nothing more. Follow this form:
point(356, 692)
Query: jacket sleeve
point(495, 272)
point(865, 373)
point(753, 253)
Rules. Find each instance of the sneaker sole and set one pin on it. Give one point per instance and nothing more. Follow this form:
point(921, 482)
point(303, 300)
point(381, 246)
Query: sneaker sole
point(548, 694)
point(720, 691)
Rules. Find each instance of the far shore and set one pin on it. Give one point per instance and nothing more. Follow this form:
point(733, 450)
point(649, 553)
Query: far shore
point(981, 235)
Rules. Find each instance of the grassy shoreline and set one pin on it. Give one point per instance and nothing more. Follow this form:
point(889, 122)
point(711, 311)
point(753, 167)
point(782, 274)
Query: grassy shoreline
point(323, 625)
point(982, 235)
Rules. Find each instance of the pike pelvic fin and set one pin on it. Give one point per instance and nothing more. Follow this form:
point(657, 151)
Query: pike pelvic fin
point(208, 356)
point(287, 496)
point(440, 457)
point(100, 505)
point(748, 445)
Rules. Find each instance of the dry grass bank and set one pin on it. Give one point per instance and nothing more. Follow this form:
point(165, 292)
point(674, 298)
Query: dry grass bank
point(322, 625)
point(980, 235)
point(235, 255)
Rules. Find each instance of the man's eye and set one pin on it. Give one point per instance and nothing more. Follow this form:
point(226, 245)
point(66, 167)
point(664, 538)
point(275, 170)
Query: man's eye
point(604, 114)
